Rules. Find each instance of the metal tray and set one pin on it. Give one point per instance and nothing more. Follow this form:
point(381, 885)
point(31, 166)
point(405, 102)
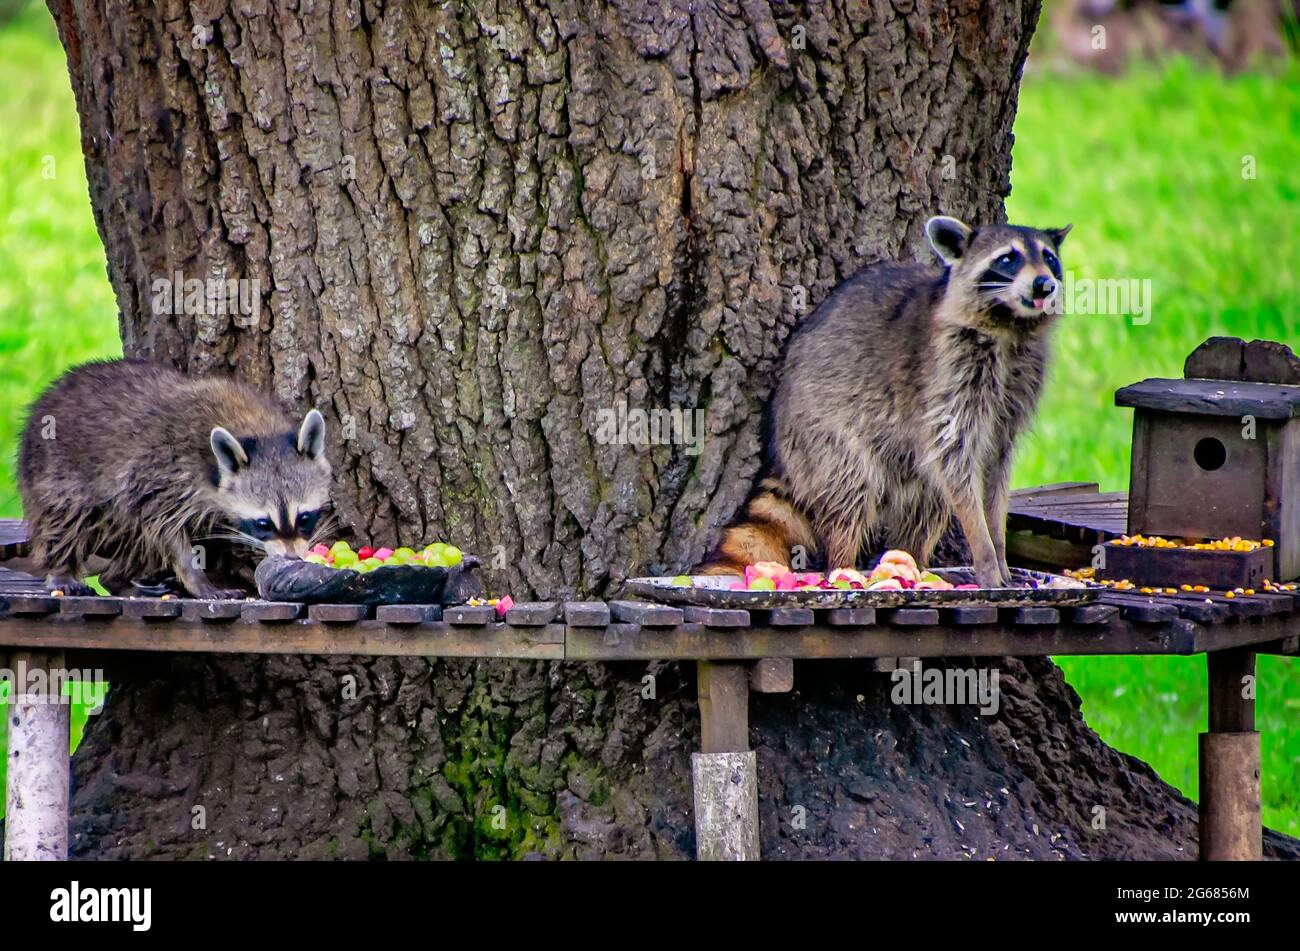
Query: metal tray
point(714, 591)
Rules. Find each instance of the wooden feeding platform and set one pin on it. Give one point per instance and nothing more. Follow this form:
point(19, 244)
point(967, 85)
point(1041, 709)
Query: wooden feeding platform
point(735, 651)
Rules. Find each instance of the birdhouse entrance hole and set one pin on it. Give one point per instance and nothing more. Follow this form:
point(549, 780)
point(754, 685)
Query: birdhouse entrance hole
point(1210, 454)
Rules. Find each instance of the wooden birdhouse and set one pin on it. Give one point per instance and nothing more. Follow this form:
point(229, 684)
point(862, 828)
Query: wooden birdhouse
point(1217, 454)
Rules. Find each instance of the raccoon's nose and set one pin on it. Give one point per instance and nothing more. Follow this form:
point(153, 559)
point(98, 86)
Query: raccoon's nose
point(1043, 286)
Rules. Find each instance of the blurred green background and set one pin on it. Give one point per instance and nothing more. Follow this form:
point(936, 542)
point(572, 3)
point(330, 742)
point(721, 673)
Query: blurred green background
point(1148, 166)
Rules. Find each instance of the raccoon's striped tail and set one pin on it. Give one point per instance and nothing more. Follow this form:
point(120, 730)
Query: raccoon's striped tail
point(770, 527)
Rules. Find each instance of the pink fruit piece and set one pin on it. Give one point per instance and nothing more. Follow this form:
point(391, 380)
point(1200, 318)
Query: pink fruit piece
point(750, 575)
point(321, 550)
point(383, 554)
point(787, 582)
point(966, 587)
point(504, 605)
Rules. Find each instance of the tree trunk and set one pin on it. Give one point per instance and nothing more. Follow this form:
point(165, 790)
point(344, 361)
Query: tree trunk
point(476, 229)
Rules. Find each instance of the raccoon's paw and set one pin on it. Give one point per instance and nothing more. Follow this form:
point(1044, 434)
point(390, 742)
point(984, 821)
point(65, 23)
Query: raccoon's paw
point(69, 586)
point(993, 577)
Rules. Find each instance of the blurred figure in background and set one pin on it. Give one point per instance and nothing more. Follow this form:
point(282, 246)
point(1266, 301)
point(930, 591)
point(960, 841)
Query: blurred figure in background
point(1106, 34)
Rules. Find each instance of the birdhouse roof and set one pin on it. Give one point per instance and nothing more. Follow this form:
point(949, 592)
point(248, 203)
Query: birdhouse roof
point(1213, 398)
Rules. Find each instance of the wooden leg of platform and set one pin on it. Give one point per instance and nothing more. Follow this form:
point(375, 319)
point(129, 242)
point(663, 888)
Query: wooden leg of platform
point(36, 800)
point(772, 675)
point(725, 774)
point(1231, 828)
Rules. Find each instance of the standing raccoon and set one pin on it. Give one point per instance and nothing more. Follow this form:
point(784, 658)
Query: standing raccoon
point(136, 464)
point(899, 402)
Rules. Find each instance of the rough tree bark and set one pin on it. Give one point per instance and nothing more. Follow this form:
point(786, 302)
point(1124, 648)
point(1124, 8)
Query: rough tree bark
point(475, 226)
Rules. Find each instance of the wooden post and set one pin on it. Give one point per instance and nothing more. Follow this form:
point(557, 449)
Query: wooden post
point(723, 690)
point(724, 774)
point(36, 802)
point(1230, 824)
point(772, 675)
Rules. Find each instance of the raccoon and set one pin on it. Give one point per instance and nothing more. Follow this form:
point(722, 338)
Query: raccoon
point(132, 465)
point(899, 402)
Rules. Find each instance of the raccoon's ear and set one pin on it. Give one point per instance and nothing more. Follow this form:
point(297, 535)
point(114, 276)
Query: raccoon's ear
point(948, 237)
point(311, 435)
point(1058, 234)
point(230, 454)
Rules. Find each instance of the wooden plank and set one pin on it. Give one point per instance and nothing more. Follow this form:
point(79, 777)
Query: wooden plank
point(631, 642)
point(910, 617)
point(1268, 361)
point(850, 617)
point(1283, 603)
point(211, 611)
point(1218, 358)
point(694, 642)
point(1197, 608)
point(586, 613)
point(645, 613)
point(1032, 616)
point(1092, 614)
point(533, 613)
point(339, 613)
point(1270, 604)
point(151, 608)
point(364, 638)
point(723, 691)
point(469, 615)
point(971, 614)
point(1213, 398)
point(272, 612)
point(1027, 550)
point(1096, 501)
point(716, 617)
point(30, 604)
point(20, 582)
point(1055, 488)
point(91, 605)
point(404, 614)
point(1141, 608)
point(789, 617)
point(1240, 606)
point(772, 675)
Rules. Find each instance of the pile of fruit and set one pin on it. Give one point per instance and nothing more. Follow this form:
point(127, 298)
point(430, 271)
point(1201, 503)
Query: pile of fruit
point(896, 571)
point(1235, 543)
point(341, 555)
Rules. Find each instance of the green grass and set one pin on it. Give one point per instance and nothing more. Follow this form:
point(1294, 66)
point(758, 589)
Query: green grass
point(1147, 166)
point(56, 306)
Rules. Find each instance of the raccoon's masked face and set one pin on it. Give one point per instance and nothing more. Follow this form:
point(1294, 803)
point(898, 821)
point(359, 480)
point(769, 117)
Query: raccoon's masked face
point(275, 492)
point(1009, 276)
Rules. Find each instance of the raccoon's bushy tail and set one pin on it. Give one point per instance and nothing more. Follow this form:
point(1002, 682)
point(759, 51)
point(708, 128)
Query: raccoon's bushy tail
point(769, 527)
